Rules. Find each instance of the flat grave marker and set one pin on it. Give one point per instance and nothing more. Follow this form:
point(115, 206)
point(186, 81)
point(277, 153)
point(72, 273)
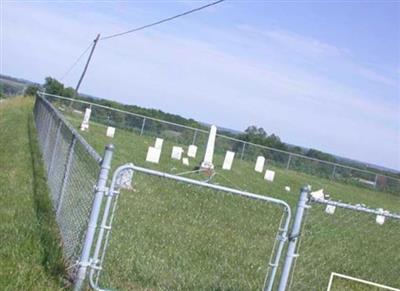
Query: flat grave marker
point(269, 175)
point(153, 155)
point(176, 153)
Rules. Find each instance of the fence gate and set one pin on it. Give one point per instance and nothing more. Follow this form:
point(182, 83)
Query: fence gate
point(173, 232)
point(358, 244)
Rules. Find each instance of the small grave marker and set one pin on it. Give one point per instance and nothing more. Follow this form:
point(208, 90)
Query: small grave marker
point(330, 209)
point(159, 143)
point(228, 160)
point(192, 151)
point(153, 155)
point(176, 153)
point(269, 175)
point(260, 164)
point(110, 131)
point(185, 161)
point(85, 121)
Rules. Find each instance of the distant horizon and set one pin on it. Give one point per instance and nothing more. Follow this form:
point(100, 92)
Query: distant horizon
point(394, 171)
point(322, 75)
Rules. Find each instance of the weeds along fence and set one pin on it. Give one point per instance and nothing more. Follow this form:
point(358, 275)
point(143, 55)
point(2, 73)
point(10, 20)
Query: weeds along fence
point(185, 135)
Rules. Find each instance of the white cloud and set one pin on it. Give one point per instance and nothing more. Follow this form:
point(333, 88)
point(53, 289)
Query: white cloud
point(203, 80)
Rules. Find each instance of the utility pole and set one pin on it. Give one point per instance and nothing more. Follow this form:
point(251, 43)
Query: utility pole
point(85, 69)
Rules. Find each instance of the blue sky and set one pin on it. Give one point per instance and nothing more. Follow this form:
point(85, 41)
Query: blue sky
point(319, 74)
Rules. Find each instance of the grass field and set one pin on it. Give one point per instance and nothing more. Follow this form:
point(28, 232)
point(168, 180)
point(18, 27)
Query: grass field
point(30, 257)
point(171, 236)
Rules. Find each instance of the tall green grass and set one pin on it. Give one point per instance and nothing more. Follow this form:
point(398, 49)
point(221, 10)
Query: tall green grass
point(30, 253)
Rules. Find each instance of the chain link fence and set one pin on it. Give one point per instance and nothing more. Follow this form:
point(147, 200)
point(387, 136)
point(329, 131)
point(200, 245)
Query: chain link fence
point(72, 171)
point(186, 135)
point(346, 239)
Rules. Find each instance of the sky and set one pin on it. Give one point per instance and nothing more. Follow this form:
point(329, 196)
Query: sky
point(319, 74)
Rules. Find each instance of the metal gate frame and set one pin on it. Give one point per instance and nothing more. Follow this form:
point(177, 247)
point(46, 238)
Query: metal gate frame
point(123, 176)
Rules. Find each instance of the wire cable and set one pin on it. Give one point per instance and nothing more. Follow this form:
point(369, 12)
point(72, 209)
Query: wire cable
point(161, 21)
point(76, 62)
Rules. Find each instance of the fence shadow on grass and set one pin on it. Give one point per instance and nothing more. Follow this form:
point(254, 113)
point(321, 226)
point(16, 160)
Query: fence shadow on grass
point(52, 259)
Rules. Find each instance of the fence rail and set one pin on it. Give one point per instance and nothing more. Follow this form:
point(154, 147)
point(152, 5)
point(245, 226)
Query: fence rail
point(144, 125)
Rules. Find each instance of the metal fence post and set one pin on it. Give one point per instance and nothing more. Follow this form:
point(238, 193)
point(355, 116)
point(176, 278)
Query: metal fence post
point(143, 123)
point(84, 261)
point(293, 238)
point(194, 137)
point(66, 175)
point(288, 162)
point(242, 153)
point(333, 172)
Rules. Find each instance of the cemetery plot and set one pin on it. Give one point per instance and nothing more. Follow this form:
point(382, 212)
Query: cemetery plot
point(335, 242)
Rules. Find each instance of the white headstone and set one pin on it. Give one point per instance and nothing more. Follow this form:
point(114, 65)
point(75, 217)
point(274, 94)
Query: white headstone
point(110, 131)
point(176, 153)
point(330, 209)
point(228, 160)
point(85, 121)
point(208, 157)
point(269, 175)
point(259, 164)
point(380, 219)
point(159, 143)
point(287, 188)
point(185, 161)
point(192, 151)
point(153, 155)
point(319, 194)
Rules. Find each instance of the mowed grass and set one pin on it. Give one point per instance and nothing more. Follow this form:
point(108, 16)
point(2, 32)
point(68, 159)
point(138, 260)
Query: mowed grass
point(170, 236)
point(30, 254)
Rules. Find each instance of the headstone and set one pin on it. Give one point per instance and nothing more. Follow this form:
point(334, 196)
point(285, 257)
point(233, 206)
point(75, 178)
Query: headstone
point(110, 131)
point(159, 143)
point(380, 219)
point(185, 161)
point(269, 175)
point(259, 164)
point(153, 155)
point(319, 194)
point(330, 209)
point(85, 121)
point(228, 160)
point(192, 151)
point(208, 157)
point(287, 188)
point(176, 153)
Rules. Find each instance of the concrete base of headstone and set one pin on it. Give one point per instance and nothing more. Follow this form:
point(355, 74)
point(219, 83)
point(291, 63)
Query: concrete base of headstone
point(185, 161)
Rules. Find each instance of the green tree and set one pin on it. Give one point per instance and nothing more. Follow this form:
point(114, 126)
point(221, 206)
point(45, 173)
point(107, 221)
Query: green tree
point(52, 86)
point(31, 90)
